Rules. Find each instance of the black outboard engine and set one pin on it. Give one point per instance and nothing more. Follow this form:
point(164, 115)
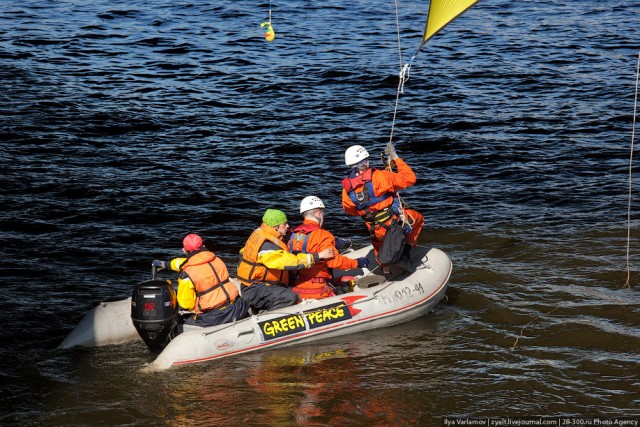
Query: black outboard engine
point(154, 311)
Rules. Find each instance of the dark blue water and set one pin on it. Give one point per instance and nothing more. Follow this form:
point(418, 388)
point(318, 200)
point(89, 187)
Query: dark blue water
point(125, 125)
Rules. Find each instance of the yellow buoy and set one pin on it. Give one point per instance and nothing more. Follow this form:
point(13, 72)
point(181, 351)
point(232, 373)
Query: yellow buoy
point(269, 34)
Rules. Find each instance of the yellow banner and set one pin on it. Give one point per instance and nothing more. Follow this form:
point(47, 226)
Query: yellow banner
point(441, 12)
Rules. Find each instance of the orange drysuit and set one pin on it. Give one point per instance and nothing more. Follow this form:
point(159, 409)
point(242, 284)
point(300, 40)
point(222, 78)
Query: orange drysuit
point(313, 282)
point(371, 195)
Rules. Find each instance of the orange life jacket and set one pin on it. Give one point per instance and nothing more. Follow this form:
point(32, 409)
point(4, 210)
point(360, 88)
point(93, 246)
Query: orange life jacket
point(250, 270)
point(210, 279)
point(311, 282)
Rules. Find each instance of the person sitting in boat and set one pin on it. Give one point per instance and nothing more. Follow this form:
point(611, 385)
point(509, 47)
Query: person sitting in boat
point(204, 286)
point(265, 262)
point(310, 237)
point(372, 194)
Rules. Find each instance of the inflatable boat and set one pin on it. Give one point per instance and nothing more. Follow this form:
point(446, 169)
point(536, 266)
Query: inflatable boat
point(371, 302)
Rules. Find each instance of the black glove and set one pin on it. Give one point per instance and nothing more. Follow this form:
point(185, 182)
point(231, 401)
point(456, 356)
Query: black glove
point(363, 262)
point(159, 264)
point(343, 243)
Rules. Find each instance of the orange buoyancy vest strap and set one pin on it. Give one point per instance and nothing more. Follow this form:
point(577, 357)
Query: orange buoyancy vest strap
point(365, 200)
point(220, 285)
point(350, 183)
point(249, 269)
point(310, 282)
point(300, 238)
point(317, 287)
point(210, 278)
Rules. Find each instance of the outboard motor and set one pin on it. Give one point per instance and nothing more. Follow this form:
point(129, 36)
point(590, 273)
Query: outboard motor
point(154, 311)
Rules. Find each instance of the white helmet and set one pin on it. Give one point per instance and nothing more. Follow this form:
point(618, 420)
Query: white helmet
point(309, 203)
point(355, 154)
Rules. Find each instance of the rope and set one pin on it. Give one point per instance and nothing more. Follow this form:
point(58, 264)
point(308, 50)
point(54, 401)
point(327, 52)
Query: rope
point(398, 32)
point(627, 285)
point(403, 77)
point(403, 73)
point(269, 11)
point(513, 347)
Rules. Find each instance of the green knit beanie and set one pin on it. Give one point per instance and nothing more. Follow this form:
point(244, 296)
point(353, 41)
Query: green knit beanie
point(274, 217)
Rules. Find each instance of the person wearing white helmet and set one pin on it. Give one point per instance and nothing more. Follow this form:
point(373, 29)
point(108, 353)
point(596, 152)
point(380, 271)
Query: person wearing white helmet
point(265, 264)
point(356, 156)
point(372, 194)
point(310, 237)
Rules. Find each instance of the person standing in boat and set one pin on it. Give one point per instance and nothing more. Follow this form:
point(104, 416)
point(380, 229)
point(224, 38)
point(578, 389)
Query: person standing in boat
point(204, 286)
point(265, 262)
point(372, 194)
point(310, 237)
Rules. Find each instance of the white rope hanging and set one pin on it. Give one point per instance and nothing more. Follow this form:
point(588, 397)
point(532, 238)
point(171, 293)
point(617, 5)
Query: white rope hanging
point(627, 285)
point(403, 75)
point(403, 78)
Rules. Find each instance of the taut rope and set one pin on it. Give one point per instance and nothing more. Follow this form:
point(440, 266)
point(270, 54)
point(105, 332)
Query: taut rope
point(633, 129)
point(404, 74)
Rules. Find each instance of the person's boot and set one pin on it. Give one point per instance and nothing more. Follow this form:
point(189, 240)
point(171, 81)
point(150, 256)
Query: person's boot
point(386, 272)
point(405, 261)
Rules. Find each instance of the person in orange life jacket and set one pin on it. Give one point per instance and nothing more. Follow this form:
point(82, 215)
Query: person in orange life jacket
point(310, 237)
point(265, 262)
point(204, 286)
point(371, 194)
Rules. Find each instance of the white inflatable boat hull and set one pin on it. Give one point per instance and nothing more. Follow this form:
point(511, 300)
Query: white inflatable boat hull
point(410, 296)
